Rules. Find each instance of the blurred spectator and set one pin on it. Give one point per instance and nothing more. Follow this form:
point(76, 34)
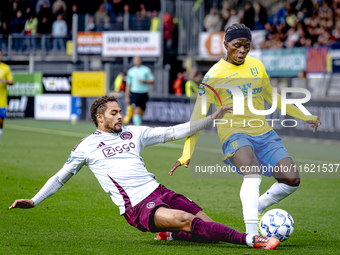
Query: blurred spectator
point(168, 28)
point(212, 22)
point(178, 84)
point(40, 3)
point(336, 32)
point(45, 19)
point(106, 25)
point(100, 14)
point(28, 12)
point(108, 6)
point(292, 38)
point(225, 13)
point(140, 21)
point(303, 8)
point(323, 39)
point(260, 16)
point(282, 14)
point(13, 11)
point(59, 10)
point(194, 75)
point(31, 27)
point(90, 25)
point(58, 7)
point(233, 19)
point(5, 31)
point(17, 27)
point(291, 18)
point(249, 16)
point(69, 15)
point(59, 32)
point(154, 21)
point(126, 8)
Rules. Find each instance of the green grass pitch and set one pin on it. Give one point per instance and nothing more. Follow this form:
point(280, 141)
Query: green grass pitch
point(81, 219)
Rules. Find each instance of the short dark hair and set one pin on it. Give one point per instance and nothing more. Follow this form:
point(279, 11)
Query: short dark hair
point(235, 27)
point(99, 106)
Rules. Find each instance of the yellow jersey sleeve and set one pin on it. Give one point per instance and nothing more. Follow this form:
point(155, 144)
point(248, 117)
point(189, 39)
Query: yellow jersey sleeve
point(291, 109)
point(191, 141)
point(9, 75)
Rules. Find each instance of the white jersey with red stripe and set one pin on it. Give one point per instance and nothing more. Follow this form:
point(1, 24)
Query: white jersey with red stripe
point(115, 160)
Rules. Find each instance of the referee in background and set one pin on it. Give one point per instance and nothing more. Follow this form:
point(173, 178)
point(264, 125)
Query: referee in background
point(136, 92)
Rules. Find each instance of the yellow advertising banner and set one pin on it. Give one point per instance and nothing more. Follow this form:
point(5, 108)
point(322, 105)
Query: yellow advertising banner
point(88, 84)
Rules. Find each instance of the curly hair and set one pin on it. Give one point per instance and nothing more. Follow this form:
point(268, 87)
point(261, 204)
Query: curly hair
point(99, 106)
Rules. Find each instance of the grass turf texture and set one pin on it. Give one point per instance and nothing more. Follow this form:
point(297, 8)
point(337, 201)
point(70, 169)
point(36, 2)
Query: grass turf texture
point(81, 219)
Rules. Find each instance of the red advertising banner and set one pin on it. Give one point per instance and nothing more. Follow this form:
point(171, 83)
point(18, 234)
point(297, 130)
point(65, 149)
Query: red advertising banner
point(316, 60)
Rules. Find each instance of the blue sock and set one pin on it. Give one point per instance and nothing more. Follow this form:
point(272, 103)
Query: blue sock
point(137, 119)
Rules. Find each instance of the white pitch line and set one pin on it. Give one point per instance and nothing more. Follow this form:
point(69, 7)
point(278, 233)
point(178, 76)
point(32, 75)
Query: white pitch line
point(45, 131)
point(169, 145)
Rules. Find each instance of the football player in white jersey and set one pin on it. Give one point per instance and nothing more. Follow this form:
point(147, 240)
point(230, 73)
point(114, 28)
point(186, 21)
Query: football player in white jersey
point(113, 154)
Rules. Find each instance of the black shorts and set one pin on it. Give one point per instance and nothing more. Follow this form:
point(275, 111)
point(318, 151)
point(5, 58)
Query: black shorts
point(139, 99)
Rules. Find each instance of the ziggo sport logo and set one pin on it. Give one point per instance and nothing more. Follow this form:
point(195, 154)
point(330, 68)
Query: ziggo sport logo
point(238, 103)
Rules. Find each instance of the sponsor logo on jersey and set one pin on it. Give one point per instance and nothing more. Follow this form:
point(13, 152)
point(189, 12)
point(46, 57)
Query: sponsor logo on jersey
point(150, 205)
point(126, 136)
point(100, 145)
point(244, 89)
point(231, 75)
point(112, 151)
point(254, 71)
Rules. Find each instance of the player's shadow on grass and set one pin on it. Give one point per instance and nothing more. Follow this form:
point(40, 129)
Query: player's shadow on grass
point(219, 245)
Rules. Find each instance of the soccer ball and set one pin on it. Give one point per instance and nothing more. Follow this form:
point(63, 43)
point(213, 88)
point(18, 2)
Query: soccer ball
point(277, 223)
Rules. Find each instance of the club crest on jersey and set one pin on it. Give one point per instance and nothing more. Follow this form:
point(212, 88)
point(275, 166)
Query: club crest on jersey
point(150, 205)
point(254, 71)
point(126, 136)
point(234, 144)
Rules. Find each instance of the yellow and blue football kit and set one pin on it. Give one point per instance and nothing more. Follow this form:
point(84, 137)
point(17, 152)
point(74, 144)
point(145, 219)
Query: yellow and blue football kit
point(236, 132)
point(5, 73)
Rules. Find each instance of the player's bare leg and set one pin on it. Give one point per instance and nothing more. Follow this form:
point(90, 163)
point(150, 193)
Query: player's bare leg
point(245, 160)
point(288, 181)
point(182, 235)
point(137, 116)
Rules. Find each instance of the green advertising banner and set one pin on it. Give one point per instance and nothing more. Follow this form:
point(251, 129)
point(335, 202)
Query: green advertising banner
point(25, 85)
point(285, 62)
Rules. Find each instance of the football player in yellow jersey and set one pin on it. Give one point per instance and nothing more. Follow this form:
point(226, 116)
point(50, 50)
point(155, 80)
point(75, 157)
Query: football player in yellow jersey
point(251, 150)
point(5, 79)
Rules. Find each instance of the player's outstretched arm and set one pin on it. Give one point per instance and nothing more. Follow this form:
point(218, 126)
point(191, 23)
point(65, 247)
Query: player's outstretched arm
point(195, 127)
point(50, 187)
point(291, 109)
